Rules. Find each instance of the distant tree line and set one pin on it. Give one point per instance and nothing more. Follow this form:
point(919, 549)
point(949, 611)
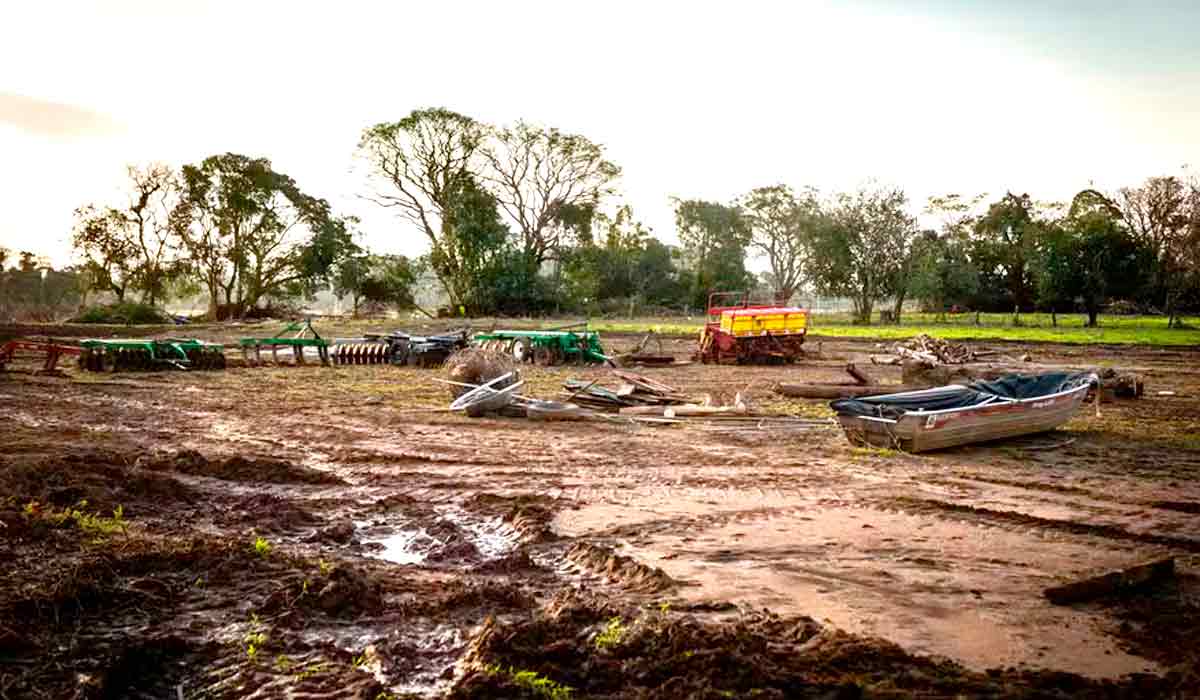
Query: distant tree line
point(525, 219)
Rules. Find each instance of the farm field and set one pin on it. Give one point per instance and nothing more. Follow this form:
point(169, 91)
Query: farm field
point(299, 531)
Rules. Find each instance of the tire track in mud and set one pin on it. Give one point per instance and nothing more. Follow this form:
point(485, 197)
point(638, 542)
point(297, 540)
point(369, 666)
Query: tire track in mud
point(1007, 518)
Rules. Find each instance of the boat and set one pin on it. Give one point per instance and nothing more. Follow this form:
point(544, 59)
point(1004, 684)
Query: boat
point(958, 414)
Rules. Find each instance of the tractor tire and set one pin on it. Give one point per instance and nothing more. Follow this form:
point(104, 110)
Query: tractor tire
point(522, 350)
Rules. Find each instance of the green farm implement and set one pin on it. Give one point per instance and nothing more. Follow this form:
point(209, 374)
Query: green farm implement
point(303, 336)
point(134, 355)
point(545, 347)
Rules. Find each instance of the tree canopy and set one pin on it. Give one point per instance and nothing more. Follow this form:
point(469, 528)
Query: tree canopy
point(253, 233)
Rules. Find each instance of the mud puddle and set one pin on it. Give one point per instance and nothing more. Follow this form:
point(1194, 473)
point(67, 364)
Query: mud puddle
point(449, 535)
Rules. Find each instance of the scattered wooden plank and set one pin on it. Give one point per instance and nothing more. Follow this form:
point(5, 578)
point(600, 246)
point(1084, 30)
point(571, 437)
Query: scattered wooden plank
point(1119, 581)
point(684, 410)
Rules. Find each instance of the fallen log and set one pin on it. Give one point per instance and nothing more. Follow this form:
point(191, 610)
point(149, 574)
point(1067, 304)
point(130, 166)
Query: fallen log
point(1119, 581)
point(885, 359)
point(840, 391)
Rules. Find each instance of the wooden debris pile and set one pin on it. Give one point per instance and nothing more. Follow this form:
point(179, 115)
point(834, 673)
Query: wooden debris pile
point(929, 349)
point(631, 390)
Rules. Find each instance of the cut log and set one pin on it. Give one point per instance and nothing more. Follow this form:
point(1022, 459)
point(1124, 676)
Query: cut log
point(859, 376)
point(839, 391)
point(885, 359)
point(1119, 581)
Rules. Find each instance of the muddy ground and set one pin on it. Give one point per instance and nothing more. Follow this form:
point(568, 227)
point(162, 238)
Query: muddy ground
point(315, 532)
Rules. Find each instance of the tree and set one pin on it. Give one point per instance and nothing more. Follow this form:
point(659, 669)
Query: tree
point(782, 228)
point(99, 235)
point(132, 247)
point(1089, 255)
point(714, 238)
point(626, 265)
point(424, 162)
point(252, 232)
point(1004, 240)
point(541, 179)
point(1164, 213)
point(391, 282)
point(863, 252)
point(351, 276)
point(942, 273)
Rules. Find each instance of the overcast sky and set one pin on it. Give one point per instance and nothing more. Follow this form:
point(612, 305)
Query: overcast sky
point(691, 99)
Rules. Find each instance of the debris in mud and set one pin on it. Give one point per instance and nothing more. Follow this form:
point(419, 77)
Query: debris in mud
point(1124, 580)
point(271, 513)
point(619, 569)
point(596, 650)
point(341, 532)
point(517, 562)
point(236, 468)
point(343, 591)
point(476, 366)
point(631, 390)
point(1162, 624)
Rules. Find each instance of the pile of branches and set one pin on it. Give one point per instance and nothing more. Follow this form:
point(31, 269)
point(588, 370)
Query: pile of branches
point(631, 390)
point(935, 351)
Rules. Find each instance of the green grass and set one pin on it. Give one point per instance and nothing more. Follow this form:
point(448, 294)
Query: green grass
point(1139, 330)
point(611, 635)
point(533, 682)
point(98, 527)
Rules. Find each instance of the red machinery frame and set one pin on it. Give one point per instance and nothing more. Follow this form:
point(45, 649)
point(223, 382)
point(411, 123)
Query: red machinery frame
point(52, 350)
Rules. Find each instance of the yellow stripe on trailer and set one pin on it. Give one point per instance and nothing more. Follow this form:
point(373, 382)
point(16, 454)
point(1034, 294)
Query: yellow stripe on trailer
point(754, 322)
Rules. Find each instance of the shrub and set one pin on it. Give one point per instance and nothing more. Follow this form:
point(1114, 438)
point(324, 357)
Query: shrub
point(124, 313)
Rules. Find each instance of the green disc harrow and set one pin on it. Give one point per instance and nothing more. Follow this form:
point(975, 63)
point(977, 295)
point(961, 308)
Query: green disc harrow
point(545, 347)
point(303, 335)
point(136, 355)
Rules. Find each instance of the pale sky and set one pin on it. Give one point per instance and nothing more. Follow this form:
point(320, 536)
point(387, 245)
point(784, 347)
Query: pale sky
point(691, 99)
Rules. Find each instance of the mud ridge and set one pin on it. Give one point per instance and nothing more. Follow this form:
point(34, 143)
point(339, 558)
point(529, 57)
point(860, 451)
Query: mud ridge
point(598, 651)
point(619, 569)
point(529, 516)
point(1007, 517)
point(237, 468)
